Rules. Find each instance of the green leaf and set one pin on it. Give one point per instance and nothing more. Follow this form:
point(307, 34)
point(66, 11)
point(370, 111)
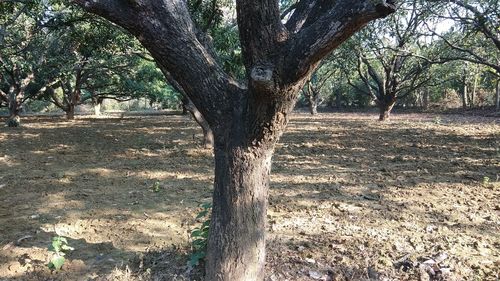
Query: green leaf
point(206, 206)
point(195, 258)
point(56, 262)
point(201, 214)
point(196, 233)
point(205, 224)
point(67, 248)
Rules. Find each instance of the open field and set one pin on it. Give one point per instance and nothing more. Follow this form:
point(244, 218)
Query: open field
point(351, 198)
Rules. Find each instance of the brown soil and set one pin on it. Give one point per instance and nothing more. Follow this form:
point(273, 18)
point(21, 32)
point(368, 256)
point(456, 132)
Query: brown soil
point(415, 198)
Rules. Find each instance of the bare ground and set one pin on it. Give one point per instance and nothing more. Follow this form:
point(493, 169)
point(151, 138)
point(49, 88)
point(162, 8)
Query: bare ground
point(416, 198)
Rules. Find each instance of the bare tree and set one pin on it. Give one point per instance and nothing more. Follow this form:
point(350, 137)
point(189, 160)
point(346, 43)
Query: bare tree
point(247, 118)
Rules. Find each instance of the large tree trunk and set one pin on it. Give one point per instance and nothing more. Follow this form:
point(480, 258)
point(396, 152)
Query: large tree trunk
point(237, 240)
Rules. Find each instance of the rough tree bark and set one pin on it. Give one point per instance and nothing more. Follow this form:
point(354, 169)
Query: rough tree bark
point(15, 96)
point(248, 118)
point(14, 119)
point(385, 107)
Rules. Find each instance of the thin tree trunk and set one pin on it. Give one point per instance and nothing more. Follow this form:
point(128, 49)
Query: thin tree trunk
point(97, 109)
point(473, 92)
point(425, 99)
point(237, 241)
point(70, 113)
point(464, 92)
point(497, 96)
point(208, 135)
point(338, 100)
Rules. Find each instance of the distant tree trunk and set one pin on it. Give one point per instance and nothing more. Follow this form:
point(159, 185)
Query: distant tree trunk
point(338, 99)
point(237, 244)
point(425, 99)
point(385, 107)
point(472, 94)
point(313, 98)
point(313, 107)
point(464, 91)
point(97, 109)
point(14, 119)
point(97, 103)
point(184, 109)
point(70, 112)
point(497, 96)
point(208, 135)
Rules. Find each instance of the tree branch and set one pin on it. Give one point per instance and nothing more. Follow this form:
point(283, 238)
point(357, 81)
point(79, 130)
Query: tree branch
point(166, 30)
point(334, 26)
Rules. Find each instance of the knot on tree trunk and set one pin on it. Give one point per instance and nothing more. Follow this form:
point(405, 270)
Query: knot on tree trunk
point(262, 77)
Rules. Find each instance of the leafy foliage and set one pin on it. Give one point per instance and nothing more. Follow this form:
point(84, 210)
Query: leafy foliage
point(199, 236)
point(59, 247)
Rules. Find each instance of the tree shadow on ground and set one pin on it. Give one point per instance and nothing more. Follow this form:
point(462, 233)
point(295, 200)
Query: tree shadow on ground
point(95, 180)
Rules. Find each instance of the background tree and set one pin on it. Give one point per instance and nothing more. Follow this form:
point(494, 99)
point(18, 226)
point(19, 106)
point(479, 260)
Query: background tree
point(390, 60)
point(20, 56)
point(247, 118)
point(313, 89)
point(476, 38)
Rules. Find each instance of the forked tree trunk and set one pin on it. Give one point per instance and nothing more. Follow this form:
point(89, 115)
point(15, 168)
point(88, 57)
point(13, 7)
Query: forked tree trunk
point(237, 241)
point(385, 110)
point(247, 118)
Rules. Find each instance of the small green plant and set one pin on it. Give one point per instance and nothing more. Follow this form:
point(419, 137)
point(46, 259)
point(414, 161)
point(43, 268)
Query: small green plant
point(156, 187)
point(199, 236)
point(437, 120)
point(59, 247)
point(486, 181)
